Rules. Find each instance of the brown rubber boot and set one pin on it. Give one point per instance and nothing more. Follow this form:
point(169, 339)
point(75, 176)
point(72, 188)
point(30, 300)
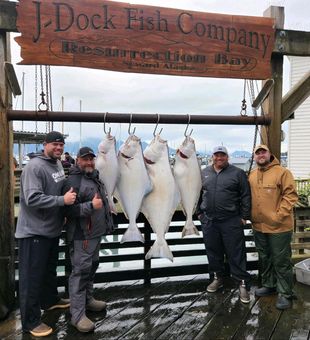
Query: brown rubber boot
point(84, 325)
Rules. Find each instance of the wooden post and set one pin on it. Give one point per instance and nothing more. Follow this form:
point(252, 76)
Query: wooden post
point(272, 135)
point(147, 266)
point(7, 271)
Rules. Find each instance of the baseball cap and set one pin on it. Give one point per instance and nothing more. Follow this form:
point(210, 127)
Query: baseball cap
point(54, 136)
point(85, 151)
point(220, 148)
point(261, 146)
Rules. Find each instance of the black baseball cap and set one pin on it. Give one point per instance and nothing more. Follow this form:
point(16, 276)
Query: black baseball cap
point(54, 136)
point(85, 151)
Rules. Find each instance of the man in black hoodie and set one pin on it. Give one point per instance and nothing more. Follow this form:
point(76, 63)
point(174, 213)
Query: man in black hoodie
point(87, 220)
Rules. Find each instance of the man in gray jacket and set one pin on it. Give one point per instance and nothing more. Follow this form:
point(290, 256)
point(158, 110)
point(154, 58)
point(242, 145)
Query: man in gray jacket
point(87, 220)
point(38, 229)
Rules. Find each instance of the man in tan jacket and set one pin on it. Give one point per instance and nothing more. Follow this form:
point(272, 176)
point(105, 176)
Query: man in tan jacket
point(273, 198)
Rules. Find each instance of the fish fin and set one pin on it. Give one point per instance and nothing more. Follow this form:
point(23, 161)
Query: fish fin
point(122, 207)
point(132, 234)
point(144, 211)
point(189, 229)
point(112, 206)
point(183, 210)
point(160, 250)
point(149, 188)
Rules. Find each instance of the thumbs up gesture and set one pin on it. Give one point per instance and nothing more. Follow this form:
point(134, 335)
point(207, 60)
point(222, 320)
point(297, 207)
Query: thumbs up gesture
point(97, 202)
point(69, 197)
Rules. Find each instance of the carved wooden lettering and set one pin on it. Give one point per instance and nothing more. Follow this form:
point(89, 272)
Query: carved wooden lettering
point(144, 39)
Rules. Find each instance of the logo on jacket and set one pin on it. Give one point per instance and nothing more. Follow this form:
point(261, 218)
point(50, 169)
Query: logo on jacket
point(58, 176)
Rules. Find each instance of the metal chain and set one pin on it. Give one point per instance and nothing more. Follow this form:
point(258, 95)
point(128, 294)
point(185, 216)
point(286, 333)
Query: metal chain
point(252, 97)
point(43, 106)
point(50, 88)
point(243, 105)
point(46, 86)
point(48, 127)
point(49, 91)
point(36, 94)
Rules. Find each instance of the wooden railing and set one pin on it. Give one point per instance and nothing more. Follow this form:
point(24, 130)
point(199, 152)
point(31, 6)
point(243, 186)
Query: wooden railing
point(302, 184)
point(126, 261)
point(301, 236)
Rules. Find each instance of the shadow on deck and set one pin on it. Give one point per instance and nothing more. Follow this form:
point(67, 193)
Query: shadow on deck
point(179, 308)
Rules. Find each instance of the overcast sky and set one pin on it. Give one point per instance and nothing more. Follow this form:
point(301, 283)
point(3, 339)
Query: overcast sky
point(107, 91)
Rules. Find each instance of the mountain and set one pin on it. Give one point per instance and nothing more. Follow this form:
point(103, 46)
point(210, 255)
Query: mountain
point(73, 147)
point(241, 154)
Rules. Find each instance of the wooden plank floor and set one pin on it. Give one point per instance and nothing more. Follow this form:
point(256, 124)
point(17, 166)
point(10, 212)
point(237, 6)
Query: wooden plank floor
point(179, 308)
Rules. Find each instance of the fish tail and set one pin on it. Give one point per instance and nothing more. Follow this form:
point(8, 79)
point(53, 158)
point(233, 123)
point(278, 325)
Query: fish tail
point(160, 249)
point(132, 234)
point(189, 229)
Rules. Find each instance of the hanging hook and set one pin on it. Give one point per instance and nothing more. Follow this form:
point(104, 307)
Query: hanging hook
point(244, 105)
point(43, 106)
point(154, 132)
point(189, 120)
point(104, 120)
point(134, 130)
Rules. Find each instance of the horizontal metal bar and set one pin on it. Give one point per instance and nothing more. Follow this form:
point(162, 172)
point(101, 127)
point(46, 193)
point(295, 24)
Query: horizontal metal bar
point(145, 118)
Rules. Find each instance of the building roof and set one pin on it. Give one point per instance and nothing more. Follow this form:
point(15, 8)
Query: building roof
point(29, 137)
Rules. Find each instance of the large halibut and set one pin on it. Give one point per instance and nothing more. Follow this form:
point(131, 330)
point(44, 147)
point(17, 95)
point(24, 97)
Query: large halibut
point(134, 183)
point(107, 165)
point(188, 177)
point(159, 206)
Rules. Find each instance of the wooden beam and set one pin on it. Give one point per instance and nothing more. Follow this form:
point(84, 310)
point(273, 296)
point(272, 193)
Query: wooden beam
point(271, 135)
point(289, 42)
point(12, 79)
point(7, 259)
point(264, 92)
point(295, 96)
point(8, 16)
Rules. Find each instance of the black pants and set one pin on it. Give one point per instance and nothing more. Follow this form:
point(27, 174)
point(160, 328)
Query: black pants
point(226, 237)
point(38, 258)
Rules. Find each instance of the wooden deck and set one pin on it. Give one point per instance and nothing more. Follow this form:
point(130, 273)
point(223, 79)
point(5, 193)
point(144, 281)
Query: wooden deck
point(179, 308)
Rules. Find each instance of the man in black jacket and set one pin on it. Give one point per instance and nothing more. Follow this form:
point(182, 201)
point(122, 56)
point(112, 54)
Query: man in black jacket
point(87, 220)
point(224, 209)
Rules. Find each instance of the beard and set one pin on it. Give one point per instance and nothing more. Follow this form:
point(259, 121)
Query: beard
point(89, 169)
point(262, 162)
point(54, 155)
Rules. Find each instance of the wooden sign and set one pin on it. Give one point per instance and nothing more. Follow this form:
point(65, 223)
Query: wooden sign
point(144, 39)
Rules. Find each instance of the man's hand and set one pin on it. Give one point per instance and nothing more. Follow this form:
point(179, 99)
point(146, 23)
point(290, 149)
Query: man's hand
point(69, 197)
point(243, 221)
point(97, 202)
